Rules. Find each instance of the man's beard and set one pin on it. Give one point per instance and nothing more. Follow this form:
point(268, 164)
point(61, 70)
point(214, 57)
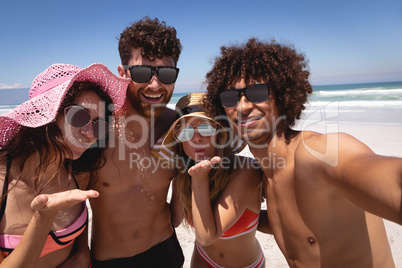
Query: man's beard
point(146, 109)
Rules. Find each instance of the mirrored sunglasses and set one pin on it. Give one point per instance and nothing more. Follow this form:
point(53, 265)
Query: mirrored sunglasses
point(257, 93)
point(186, 132)
point(77, 116)
point(144, 73)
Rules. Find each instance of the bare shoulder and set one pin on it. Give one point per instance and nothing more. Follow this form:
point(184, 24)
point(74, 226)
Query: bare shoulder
point(326, 151)
point(246, 170)
point(311, 142)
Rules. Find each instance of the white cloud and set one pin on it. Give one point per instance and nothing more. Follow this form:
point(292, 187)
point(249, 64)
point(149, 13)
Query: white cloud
point(15, 85)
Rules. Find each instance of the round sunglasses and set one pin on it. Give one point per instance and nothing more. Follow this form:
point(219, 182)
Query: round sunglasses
point(144, 73)
point(186, 132)
point(77, 116)
point(257, 93)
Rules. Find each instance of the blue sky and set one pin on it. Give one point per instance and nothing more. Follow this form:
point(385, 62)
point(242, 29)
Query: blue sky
point(346, 41)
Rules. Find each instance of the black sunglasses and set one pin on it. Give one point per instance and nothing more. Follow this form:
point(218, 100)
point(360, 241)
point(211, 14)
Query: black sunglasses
point(144, 73)
point(77, 116)
point(255, 94)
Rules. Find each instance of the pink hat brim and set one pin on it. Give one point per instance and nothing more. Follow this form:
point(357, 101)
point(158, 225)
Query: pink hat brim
point(42, 109)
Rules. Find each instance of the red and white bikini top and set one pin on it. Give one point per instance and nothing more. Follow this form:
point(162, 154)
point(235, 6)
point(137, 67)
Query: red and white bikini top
point(244, 225)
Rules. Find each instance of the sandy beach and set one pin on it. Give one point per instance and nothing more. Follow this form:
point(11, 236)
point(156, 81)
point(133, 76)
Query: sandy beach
point(385, 139)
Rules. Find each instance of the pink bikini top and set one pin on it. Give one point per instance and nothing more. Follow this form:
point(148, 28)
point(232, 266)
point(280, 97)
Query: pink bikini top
point(56, 239)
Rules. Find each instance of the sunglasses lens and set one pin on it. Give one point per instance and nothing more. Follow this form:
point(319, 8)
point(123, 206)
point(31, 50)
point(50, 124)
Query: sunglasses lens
point(206, 130)
point(257, 93)
point(229, 98)
point(141, 74)
point(185, 134)
point(100, 129)
point(167, 75)
point(77, 116)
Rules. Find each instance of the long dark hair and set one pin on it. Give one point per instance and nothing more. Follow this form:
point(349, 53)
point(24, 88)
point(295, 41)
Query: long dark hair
point(48, 142)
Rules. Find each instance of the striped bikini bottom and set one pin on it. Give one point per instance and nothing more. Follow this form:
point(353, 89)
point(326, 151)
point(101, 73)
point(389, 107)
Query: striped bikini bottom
point(257, 264)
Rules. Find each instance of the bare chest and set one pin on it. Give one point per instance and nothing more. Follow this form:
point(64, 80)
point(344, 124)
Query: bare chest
point(135, 166)
point(136, 178)
point(294, 238)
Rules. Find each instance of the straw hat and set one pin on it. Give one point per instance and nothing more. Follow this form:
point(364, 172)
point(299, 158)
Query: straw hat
point(47, 93)
point(188, 106)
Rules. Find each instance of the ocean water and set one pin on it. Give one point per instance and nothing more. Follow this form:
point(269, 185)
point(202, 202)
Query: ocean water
point(379, 103)
point(376, 103)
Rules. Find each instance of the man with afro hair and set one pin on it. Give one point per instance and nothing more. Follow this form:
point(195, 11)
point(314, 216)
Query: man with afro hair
point(326, 194)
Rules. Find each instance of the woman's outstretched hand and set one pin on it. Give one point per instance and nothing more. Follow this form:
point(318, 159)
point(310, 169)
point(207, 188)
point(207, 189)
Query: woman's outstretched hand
point(202, 168)
point(62, 200)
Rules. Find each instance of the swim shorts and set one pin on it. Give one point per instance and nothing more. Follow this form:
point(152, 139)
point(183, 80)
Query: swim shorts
point(165, 254)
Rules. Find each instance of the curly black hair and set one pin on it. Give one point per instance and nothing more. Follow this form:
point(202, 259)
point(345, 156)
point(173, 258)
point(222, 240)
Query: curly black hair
point(280, 66)
point(155, 38)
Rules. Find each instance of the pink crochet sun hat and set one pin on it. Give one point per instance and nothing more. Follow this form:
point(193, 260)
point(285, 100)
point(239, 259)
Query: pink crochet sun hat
point(47, 93)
